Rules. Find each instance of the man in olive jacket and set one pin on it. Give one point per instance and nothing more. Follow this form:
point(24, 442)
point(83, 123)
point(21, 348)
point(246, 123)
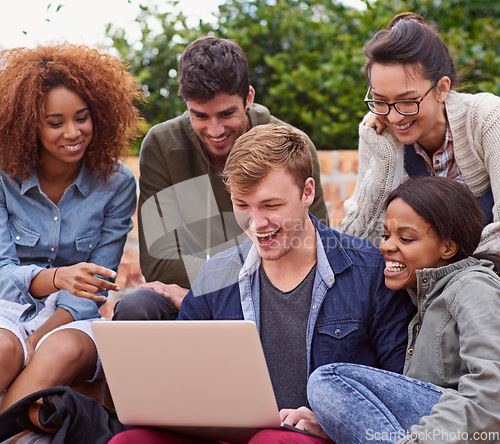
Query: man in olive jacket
point(185, 213)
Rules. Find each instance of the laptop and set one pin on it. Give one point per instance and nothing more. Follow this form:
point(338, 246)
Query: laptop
point(206, 379)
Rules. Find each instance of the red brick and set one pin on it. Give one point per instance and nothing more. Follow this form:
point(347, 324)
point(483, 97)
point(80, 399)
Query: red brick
point(336, 214)
point(331, 191)
point(349, 188)
point(348, 161)
point(325, 159)
point(133, 163)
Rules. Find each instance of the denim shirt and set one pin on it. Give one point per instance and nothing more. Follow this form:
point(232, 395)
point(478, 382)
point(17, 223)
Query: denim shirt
point(353, 316)
point(89, 224)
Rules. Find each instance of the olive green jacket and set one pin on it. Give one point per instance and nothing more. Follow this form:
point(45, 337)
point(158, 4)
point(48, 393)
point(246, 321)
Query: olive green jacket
point(454, 344)
point(178, 220)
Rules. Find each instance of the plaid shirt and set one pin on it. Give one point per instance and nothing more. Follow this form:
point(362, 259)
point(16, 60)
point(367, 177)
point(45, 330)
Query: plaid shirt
point(443, 161)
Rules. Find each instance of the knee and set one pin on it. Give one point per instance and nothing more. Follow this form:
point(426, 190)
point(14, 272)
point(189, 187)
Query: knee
point(315, 389)
point(322, 374)
point(323, 382)
point(11, 350)
point(133, 306)
point(144, 304)
point(64, 350)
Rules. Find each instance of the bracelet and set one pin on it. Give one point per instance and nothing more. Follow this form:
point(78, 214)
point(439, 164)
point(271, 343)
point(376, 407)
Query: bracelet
point(54, 279)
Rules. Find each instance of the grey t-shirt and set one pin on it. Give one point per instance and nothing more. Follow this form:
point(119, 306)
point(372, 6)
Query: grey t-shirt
point(283, 324)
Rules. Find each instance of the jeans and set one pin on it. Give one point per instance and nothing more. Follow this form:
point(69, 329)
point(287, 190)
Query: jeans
point(359, 404)
point(144, 304)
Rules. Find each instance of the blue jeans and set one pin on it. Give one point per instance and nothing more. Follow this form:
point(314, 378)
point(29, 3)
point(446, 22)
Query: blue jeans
point(144, 304)
point(359, 404)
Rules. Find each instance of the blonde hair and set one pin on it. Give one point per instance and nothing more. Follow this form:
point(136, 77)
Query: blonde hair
point(262, 149)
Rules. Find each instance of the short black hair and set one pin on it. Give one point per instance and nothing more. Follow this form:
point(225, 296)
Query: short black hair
point(450, 208)
point(211, 66)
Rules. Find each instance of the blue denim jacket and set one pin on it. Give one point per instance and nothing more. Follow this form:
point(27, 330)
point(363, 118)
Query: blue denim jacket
point(89, 224)
point(353, 316)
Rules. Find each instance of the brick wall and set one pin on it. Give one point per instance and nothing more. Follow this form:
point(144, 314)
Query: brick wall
point(339, 170)
point(338, 178)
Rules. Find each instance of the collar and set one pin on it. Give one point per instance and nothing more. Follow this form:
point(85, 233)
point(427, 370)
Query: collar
point(328, 264)
point(428, 278)
point(83, 182)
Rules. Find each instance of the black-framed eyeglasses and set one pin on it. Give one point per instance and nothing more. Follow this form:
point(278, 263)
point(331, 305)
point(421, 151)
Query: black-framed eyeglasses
point(404, 107)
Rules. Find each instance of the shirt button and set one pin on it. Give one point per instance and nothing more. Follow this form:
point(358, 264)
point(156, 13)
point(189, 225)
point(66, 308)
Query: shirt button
point(90, 246)
point(249, 299)
point(315, 306)
point(330, 279)
point(337, 332)
point(52, 249)
point(410, 351)
point(18, 237)
point(49, 260)
point(56, 218)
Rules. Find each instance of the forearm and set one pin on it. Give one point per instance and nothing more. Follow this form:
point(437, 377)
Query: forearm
point(44, 283)
point(381, 169)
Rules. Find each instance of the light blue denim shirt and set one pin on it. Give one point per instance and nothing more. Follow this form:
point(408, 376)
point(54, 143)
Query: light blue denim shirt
point(89, 224)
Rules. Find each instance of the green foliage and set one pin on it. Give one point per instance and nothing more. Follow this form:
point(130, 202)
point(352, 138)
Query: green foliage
point(305, 56)
point(306, 63)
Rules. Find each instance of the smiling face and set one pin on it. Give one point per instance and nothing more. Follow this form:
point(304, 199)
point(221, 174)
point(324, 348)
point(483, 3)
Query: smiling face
point(391, 83)
point(409, 243)
point(219, 122)
point(275, 216)
point(66, 131)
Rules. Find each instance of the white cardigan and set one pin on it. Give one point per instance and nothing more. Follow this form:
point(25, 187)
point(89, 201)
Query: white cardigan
point(475, 126)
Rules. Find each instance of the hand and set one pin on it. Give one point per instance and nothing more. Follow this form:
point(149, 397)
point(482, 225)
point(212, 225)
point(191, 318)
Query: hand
point(304, 419)
point(172, 292)
point(80, 280)
point(375, 122)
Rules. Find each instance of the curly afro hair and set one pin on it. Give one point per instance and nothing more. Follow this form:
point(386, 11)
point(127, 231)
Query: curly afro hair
point(101, 80)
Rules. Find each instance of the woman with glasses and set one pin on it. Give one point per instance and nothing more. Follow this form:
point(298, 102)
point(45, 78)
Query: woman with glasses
point(418, 125)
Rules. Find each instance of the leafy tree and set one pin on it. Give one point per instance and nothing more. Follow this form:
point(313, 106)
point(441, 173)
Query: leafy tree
point(306, 63)
point(305, 56)
point(154, 59)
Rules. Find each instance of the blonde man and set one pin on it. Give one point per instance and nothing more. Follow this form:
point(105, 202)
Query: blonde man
point(316, 295)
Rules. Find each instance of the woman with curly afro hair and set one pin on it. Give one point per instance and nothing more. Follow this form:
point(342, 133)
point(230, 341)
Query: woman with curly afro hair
point(67, 112)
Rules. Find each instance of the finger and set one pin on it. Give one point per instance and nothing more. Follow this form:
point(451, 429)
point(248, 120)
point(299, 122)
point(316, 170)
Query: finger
point(150, 285)
point(103, 284)
point(301, 424)
point(88, 282)
point(103, 271)
point(284, 413)
point(162, 292)
point(89, 295)
point(291, 419)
